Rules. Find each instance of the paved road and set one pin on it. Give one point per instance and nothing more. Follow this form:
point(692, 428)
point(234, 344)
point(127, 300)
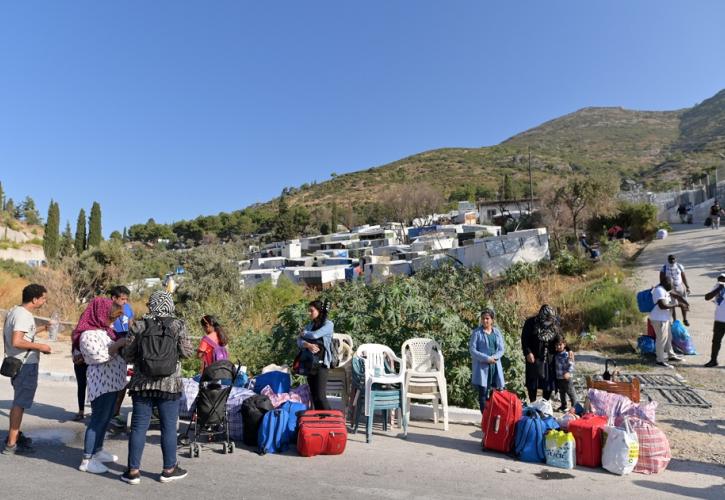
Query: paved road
point(429, 464)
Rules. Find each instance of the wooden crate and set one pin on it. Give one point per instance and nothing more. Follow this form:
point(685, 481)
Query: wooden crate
point(629, 389)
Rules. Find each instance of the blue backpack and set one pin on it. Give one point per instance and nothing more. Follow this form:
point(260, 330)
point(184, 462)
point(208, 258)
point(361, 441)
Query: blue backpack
point(529, 435)
point(645, 302)
point(279, 428)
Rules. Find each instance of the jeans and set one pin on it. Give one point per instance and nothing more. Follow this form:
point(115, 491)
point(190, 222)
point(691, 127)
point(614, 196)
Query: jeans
point(318, 388)
point(168, 416)
point(102, 411)
point(81, 378)
point(718, 331)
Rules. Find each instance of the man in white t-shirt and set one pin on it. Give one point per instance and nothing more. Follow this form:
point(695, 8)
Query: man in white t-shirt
point(19, 339)
point(676, 273)
point(717, 295)
point(660, 318)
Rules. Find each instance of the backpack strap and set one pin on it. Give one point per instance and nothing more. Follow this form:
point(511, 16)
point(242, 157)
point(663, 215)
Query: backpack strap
point(210, 341)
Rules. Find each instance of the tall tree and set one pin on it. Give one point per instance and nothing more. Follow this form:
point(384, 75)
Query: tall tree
point(80, 241)
point(95, 235)
point(2, 197)
point(125, 234)
point(283, 225)
point(506, 191)
point(67, 246)
point(588, 196)
point(334, 218)
point(29, 212)
point(51, 239)
point(10, 207)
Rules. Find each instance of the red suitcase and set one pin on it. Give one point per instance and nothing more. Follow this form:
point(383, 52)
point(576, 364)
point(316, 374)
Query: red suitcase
point(321, 432)
point(502, 411)
point(588, 436)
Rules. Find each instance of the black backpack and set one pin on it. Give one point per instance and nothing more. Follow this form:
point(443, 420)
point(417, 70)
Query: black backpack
point(158, 352)
point(253, 410)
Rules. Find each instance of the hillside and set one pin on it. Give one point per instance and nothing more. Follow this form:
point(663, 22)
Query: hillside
point(659, 148)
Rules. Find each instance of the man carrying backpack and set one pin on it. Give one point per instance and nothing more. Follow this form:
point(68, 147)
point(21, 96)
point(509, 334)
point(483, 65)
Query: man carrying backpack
point(155, 345)
point(660, 316)
point(717, 295)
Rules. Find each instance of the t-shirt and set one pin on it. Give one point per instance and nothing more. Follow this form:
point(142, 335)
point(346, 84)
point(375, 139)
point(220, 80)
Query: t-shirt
point(715, 210)
point(719, 301)
point(20, 319)
point(121, 324)
point(674, 272)
point(659, 314)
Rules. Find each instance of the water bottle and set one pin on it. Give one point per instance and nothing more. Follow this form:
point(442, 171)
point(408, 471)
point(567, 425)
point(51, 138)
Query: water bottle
point(54, 326)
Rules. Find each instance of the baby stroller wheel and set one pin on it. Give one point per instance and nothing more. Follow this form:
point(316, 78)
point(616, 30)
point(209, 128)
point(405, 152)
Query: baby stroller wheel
point(231, 446)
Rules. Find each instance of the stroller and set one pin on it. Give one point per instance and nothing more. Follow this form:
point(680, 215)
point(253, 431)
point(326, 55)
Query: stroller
point(210, 418)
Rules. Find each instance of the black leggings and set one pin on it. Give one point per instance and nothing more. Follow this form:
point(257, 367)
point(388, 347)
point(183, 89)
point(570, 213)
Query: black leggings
point(318, 388)
point(81, 379)
point(718, 331)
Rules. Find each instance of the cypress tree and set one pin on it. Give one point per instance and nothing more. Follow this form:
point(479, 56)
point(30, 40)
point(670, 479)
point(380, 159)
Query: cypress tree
point(2, 198)
point(333, 218)
point(67, 246)
point(51, 240)
point(10, 207)
point(29, 212)
point(80, 241)
point(94, 226)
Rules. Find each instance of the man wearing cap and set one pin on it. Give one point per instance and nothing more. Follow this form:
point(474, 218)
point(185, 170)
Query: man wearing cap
point(674, 270)
point(717, 295)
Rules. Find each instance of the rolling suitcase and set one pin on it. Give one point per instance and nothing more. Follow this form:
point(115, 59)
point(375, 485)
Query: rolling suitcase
point(588, 435)
point(498, 424)
point(321, 432)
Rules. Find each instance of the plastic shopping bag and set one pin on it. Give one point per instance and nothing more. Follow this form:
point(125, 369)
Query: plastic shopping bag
point(621, 449)
point(560, 449)
point(681, 339)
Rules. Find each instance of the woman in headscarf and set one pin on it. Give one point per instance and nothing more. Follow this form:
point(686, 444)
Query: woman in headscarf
point(148, 392)
point(99, 347)
point(538, 338)
point(486, 347)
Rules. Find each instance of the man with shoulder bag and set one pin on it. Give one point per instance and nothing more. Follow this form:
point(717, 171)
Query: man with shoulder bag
point(21, 363)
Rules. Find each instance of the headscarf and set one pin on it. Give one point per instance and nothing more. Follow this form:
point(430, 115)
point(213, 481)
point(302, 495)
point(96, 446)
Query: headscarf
point(161, 304)
point(547, 323)
point(95, 317)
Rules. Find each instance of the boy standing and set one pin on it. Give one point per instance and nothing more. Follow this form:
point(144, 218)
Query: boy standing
point(19, 338)
point(564, 370)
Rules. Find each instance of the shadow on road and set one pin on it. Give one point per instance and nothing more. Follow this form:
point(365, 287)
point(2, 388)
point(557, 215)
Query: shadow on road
point(711, 426)
point(44, 411)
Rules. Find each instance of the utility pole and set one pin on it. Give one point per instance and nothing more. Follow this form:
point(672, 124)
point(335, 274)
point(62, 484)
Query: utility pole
point(531, 185)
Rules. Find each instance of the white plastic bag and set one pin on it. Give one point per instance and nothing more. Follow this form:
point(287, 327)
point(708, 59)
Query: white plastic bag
point(560, 449)
point(544, 407)
point(621, 449)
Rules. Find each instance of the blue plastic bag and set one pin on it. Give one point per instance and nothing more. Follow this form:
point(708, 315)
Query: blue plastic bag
point(681, 340)
point(646, 345)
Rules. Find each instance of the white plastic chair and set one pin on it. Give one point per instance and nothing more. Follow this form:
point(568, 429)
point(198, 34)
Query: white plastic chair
point(424, 375)
point(339, 379)
point(375, 356)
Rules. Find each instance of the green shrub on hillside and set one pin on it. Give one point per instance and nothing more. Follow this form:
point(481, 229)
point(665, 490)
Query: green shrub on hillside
point(521, 271)
point(571, 264)
point(19, 269)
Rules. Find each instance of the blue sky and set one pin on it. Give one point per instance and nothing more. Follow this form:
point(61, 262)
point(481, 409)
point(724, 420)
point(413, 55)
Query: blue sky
point(172, 109)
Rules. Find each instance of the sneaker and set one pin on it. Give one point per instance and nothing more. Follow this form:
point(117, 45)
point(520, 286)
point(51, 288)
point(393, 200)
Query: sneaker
point(710, 364)
point(562, 408)
point(687, 323)
point(21, 448)
point(176, 473)
point(105, 457)
point(675, 357)
point(93, 466)
point(128, 477)
point(664, 364)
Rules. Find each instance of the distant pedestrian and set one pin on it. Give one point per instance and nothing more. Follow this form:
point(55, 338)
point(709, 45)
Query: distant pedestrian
point(717, 295)
point(486, 346)
point(119, 295)
point(680, 286)
point(100, 348)
point(660, 319)
point(19, 339)
point(148, 391)
point(564, 363)
point(682, 212)
point(538, 341)
point(715, 213)
point(213, 345)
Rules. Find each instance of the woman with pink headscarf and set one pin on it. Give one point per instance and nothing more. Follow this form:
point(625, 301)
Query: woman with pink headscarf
point(106, 374)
